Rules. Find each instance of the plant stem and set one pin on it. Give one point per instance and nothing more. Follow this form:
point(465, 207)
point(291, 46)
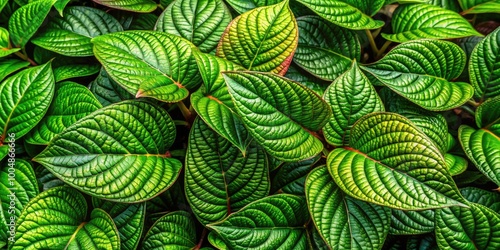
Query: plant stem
point(372, 41)
point(473, 103)
point(26, 58)
point(468, 110)
point(200, 243)
point(383, 49)
point(185, 111)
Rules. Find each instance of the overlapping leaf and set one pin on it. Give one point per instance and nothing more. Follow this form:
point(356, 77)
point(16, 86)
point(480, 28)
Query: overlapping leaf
point(5, 47)
point(65, 72)
point(141, 6)
point(455, 164)
point(244, 6)
point(4, 150)
point(299, 75)
point(479, 6)
point(10, 66)
point(484, 66)
point(175, 230)
point(108, 91)
point(291, 176)
point(486, 198)
point(411, 222)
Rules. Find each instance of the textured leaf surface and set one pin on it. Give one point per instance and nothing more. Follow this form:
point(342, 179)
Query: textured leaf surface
point(219, 179)
point(10, 66)
point(480, 6)
point(202, 22)
point(483, 197)
point(276, 110)
point(456, 164)
point(263, 39)
point(116, 153)
point(141, 6)
point(26, 20)
point(411, 222)
point(344, 223)
point(484, 66)
point(70, 35)
point(291, 176)
point(216, 241)
point(107, 91)
point(175, 230)
point(244, 6)
point(325, 50)
point(420, 71)
point(4, 150)
point(275, 222)
point(488, 115)
point(5, 47)
point(301, 76)
point(149, 63)
point(25, 98)
point(65, 72)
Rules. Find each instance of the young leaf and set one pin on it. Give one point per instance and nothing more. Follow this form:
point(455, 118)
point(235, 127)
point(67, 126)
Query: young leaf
point(140, 6)
point(275, 222)
point(116, 153)
point(25, 98)
point(5, 48)
point(479, 6)
point(344, 222)
point(175, 230)
point(411, 222)
point(484, 66)
point(108, 91)
point(277, 112)
point(263, 39)
point(9, 66)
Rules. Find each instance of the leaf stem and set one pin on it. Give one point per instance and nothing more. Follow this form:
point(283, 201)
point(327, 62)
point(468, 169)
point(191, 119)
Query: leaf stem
point(372, 41)
point(185, 111)
point(200, 243)
point(26, 58)
point(473, 103)
point(382, 50)
point(468, 110)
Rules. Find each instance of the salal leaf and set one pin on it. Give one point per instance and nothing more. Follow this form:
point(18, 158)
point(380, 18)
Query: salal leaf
point(117, 153)
point(479, 6)
point(5, 47)
point(25, 98)
point(325, 50)
point(70, 35)
point(149, 63)
point(455, 164)
point(428, 21)
point(26, 20)
point(244, 6)
point(274, 222)
point(483, 197)
point(484, 66)
point(128, 218)
point(140, 6)
point(107, 91)
point(175, 230)
point(202, 22)
point(351, 96)
point(65, 72)
point(72, 102)
point(219, 179)
point(277, 112)
point(344, 13)
point(263, 39)
point(55, 219)
point(477, 227)
point(291, 176)
point(411, 222)
point(390, 162)
point(9, 66)
point(344, 222)
point(420, 71)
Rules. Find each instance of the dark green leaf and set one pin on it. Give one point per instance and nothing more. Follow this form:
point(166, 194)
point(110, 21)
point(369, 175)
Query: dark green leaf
point(141, 6)
point(479, 6)
point(65, 72)
point(108, 91)
point(411, 222)
point(484, 66)
point(291, 176)
point(175, 230)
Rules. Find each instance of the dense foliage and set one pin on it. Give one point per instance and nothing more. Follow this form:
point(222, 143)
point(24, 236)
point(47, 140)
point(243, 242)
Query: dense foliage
point(255, 124)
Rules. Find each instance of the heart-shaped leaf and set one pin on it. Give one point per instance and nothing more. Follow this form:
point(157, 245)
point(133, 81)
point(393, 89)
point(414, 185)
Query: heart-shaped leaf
point(149, 63)
point(411, 222)
point(175, 230)
point(5, 47)
point(277, 112)
point(344, 222)
point(108, 91)
point(70, 35)
point(484, 66)
point(65, 72)
point(274, 222)
point(263, 39)
point(141, 6)
point(55, 219)
point(219, 179)
point(72, 102)
point(202, 22)
point(291, 176)
point(116, 153)
point(479, 6)
point(9, 66)
point(25, 98)
point(420, 71)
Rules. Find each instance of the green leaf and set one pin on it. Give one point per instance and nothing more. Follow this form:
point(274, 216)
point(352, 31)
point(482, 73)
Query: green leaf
point(392, 163)
point(216, 240)
point(351, 96)
point(60, 5)
point(219, 179)
point(417, 242)
point(488, 115)
point(9, 66)
point(411, 222)
point(65, 72)
point(202, 22)
point(479, 6)
point(344, 223)
point(263, 39)
point(108, 91)
point(291, 176)
point(72, 102)
point(4, 150)
point(455, 164)
point(149, 63)
point(140, 6)
point(175, 230)
point(124, 144)
point(244, 6)
point(276, 112)
point(428, 21)
point(55, 219)
point(5, 47)
point(70, 35)
point(25, 98)
point(484, 66)
point(343, 13)
point(274, 222)
point(26, 20)
point(301, 76)
point(483, 197)
point(420, 71)
point(128, 218)
point(325, 50)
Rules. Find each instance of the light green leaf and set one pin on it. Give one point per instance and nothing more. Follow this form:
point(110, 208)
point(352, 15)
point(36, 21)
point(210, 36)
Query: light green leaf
point(483, 197)
point(479, 6)
point(60, 5)
point(5, 47)
point(65, 72)
point(55, 219)
point(141, 6)
point(263, 39)
point(149, 63)
point(455, 164)
point(488, 115)
point(4, 150)
point(219, 179)
point(325, 50)
point(343, 13)
point(411, 222)
point(390, 162)
point(26, 20)
point(117, 153)
point(202, 22)
point(291, 176)
point(428, 21)
point(175, 230)
point(351, 96)
point(216, 241)
point(420, 71)
point(108, 91)
point(484, 66)
point(70, 35)
point(344, 223)
point(276, 112)
point(244, 6)
point(9, 66)
point(72, 102)
point(274, 222)
point(25, 98)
